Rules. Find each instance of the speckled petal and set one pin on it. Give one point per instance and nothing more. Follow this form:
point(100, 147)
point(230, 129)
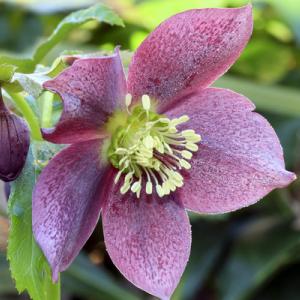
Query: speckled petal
point(148, 239)
point(189, 50)
point(14, 144)
point(240, 159)
point(66, 203)
point(91, 89)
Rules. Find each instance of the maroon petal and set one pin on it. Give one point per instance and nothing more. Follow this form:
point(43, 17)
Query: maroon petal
point(14, 143)
point(240, 159)
point(91, 89)
point(189, 50)
point(148, 239)
point(66, 204)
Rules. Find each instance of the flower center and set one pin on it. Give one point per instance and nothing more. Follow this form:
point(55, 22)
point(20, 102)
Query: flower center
point(150, 150)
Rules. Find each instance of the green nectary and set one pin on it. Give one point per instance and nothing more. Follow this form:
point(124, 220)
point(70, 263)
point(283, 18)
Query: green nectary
point(146, 146)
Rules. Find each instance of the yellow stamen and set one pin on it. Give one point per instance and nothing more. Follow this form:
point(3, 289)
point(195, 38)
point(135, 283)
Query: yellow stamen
point(150, 150)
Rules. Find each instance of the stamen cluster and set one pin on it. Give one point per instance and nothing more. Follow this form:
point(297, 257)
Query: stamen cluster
point(151, 151)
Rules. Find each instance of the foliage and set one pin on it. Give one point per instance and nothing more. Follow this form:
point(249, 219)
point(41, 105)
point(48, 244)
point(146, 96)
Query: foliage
point(28, 266)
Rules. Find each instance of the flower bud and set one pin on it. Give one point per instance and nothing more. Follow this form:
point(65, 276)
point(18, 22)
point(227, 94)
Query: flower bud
point(14, 143)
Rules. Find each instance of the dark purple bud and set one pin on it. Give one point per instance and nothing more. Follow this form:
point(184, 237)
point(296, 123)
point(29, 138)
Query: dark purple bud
point(14, 143)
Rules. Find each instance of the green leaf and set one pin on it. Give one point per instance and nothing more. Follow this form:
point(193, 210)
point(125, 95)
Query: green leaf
point(6, 284)
point(98, 12)
point(28, 265)
point(208, 243)
point(261, 250)
point(151, 13)
point(89, 281)
point(30, 83)
point(6, 72)
point(274, 99)
point(289, 9)
point(33, 83)
point(25, 65)
point(257, 61)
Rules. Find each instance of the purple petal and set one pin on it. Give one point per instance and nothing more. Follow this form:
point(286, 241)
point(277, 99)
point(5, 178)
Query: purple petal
point(91, 89)
point(148, 239)
point(14, 144)
point(66, 203)
point(189, 50)
point(239, 160)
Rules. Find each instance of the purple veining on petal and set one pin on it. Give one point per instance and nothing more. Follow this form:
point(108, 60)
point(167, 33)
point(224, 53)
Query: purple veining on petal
point(189, 50)
point(239, 160)
point(91, 89)
point(66, 203)
point(148, 239)
point(14, 143)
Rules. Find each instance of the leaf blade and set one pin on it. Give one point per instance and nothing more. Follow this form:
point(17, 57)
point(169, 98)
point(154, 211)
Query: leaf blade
point(98, 12)
point(28, 265)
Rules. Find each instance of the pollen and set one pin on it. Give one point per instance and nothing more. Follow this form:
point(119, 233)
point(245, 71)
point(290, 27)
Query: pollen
point(150, 151)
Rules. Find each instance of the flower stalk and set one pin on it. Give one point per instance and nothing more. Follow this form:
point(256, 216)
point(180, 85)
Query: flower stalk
point(47, 110)
point(28, 115)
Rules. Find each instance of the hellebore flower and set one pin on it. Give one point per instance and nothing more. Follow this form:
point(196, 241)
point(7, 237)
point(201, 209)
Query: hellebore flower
point(137, 155)
point(14, 143)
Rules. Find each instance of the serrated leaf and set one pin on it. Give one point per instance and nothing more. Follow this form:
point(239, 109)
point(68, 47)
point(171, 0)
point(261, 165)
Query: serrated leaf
point(30, 83)
point(28, 265)
point(98, 12)
point(33, 83)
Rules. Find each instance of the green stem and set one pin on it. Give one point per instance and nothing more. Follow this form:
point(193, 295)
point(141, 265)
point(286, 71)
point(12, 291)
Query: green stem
point(47, 110)
point(28, 114)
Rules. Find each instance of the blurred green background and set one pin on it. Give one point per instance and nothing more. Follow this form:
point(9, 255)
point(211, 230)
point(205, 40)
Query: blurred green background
point(251, 254)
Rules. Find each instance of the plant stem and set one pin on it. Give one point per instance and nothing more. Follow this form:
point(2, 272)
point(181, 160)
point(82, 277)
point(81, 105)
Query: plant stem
point(47, 110)
point(28, 114)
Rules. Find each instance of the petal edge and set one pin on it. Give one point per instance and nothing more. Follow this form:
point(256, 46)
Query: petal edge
point(91, 89)
point(240, 158)
point(66, 203)
point(189, 50)
point(148, 239)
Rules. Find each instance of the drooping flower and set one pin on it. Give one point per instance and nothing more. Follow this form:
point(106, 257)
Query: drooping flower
point(14, 143)
point(145, 149)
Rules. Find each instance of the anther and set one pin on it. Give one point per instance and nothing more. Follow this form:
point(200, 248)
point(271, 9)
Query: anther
point(128, 100)
point(150, 151)
point(146, 102)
